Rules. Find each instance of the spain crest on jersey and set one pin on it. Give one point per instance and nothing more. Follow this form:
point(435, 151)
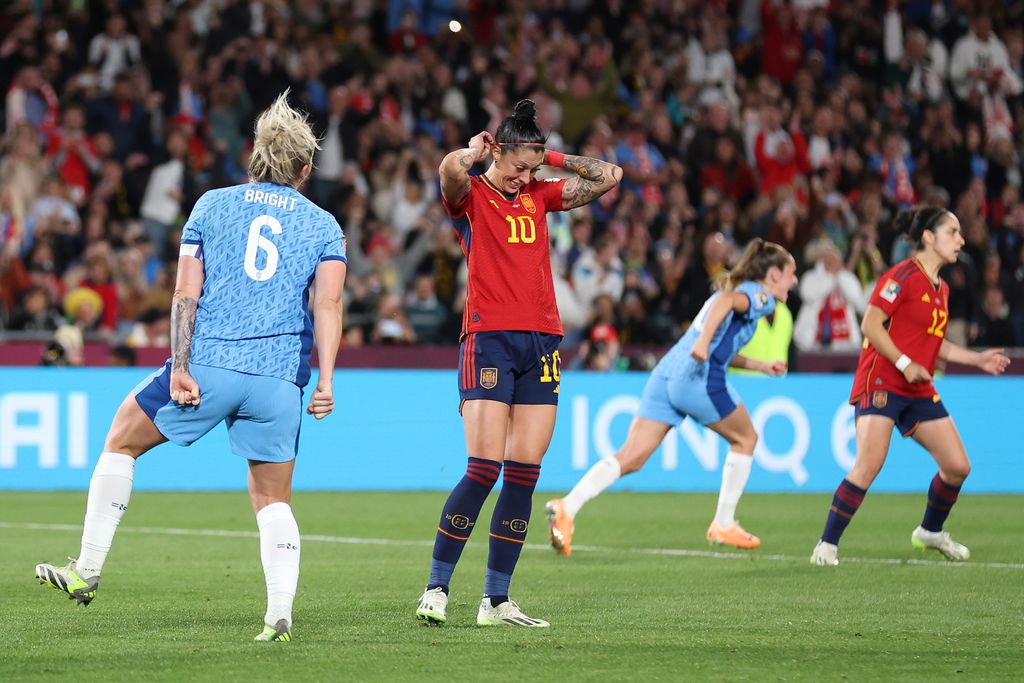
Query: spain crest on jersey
point(880, 399)
point(488, 377)
point(528, 204)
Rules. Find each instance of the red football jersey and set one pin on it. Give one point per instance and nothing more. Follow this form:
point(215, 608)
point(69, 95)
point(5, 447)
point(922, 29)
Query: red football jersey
point(918, 311)
point(505, 238)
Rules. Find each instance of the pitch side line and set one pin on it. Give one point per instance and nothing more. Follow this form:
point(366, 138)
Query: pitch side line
point(669, 552)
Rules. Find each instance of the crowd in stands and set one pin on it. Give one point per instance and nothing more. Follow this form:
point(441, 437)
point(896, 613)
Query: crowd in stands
point(806, 122)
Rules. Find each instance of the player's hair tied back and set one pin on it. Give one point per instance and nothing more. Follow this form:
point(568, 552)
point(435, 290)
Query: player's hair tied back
point(525, 109)
point(914, 222)
point(757, 259)
point(283, 144)
point(520, 129)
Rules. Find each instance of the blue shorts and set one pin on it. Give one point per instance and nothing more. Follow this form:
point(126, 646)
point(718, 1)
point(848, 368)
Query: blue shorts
point(670, 400)
point(906, 411)
point(262, 413)
point(512, 367)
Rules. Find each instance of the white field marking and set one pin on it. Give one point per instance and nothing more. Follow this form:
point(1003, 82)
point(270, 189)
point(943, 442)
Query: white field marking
point(667, 552)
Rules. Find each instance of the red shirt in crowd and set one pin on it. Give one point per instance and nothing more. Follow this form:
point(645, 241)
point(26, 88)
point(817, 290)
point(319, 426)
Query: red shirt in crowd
point(111, 303)
point(73, 169)
point(782, 52)
point(781, 156)
point(737, 182)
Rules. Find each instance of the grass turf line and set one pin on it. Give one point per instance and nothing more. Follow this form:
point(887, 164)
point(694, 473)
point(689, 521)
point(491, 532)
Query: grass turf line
point(174, 607)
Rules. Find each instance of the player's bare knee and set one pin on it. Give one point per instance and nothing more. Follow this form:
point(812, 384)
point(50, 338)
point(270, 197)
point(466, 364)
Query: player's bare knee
point(863, 473)
point(957, 473)
point(744, 443)
point(119, 440)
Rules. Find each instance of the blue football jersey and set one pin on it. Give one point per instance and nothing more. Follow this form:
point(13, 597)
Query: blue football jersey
point(731, 336)
point(260, 244)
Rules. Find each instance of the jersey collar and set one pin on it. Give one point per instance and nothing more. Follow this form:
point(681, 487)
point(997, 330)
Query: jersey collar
point(937, 283)
point(495, 189)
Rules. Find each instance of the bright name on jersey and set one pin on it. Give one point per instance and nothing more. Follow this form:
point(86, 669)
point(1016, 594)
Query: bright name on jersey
point(270, 198)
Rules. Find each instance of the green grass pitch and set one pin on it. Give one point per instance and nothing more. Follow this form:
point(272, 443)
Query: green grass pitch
point(643, 598)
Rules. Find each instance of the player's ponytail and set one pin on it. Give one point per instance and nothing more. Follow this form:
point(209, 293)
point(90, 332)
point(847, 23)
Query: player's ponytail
point(283, 144)
point(757, 259)
point(520, 129)
point(914, 222)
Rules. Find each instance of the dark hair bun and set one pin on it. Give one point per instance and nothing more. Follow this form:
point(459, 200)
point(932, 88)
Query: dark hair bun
point(525, 109)
point(520, 128)
point(904, 219)
point(914, 223)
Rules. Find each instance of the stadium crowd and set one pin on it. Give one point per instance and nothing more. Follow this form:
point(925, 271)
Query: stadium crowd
point(806, 122)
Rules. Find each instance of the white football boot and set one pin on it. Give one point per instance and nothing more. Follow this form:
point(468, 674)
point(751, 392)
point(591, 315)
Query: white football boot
point(505, 614)
point(825, 554)
point(941, 541)
point(433, 606)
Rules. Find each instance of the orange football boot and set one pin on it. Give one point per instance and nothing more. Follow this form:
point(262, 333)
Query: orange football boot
point(734, 535)
point(560, 527)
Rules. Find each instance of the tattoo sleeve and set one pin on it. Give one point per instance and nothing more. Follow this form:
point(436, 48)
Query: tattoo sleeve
point(183, 324)
point(585, 167)
point(467, 160)
point(455, 174)
point(593, 178)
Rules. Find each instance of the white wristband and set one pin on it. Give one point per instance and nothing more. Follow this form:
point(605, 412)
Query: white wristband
point(902, 362)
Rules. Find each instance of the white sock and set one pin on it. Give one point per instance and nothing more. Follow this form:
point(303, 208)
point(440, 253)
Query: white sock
point(109, 493)
point(603, 474)
point(279, 551)
point(735, 473)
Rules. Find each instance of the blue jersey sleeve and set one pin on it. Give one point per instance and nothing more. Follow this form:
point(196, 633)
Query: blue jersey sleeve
point(761, 302)
point(192, 233)
point(335, 247)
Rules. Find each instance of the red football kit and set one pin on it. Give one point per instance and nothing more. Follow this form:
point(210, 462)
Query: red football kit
point(918, 311)
point(505, 238)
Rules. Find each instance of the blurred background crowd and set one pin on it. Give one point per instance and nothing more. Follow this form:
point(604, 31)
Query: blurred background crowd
point(806, 122)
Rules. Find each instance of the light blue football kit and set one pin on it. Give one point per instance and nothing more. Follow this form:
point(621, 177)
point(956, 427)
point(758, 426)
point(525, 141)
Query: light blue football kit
point(260, 244)
point(680, 386)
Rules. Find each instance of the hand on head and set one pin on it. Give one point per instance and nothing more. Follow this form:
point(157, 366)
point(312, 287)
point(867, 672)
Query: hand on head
point(483, 142)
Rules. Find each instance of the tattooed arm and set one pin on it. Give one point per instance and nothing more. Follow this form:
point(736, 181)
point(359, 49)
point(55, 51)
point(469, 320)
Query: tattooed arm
point(189, 285)
point(455, 167)
point(593, 178)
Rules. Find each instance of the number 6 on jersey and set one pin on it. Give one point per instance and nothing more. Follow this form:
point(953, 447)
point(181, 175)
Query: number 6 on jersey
point(256, 242)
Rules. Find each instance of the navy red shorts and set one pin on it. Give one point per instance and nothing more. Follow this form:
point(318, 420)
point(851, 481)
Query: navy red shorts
point(906, 411)
point(512, 367)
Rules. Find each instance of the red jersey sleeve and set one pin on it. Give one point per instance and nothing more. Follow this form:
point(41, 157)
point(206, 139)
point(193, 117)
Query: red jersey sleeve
point(889, 294)
point(458, 209)
point(550, 191)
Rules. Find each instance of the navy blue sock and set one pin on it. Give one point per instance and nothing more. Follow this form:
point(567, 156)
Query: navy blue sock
point(508, 527)
point(458, 517)
point(844, 504)
point(941, 497)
